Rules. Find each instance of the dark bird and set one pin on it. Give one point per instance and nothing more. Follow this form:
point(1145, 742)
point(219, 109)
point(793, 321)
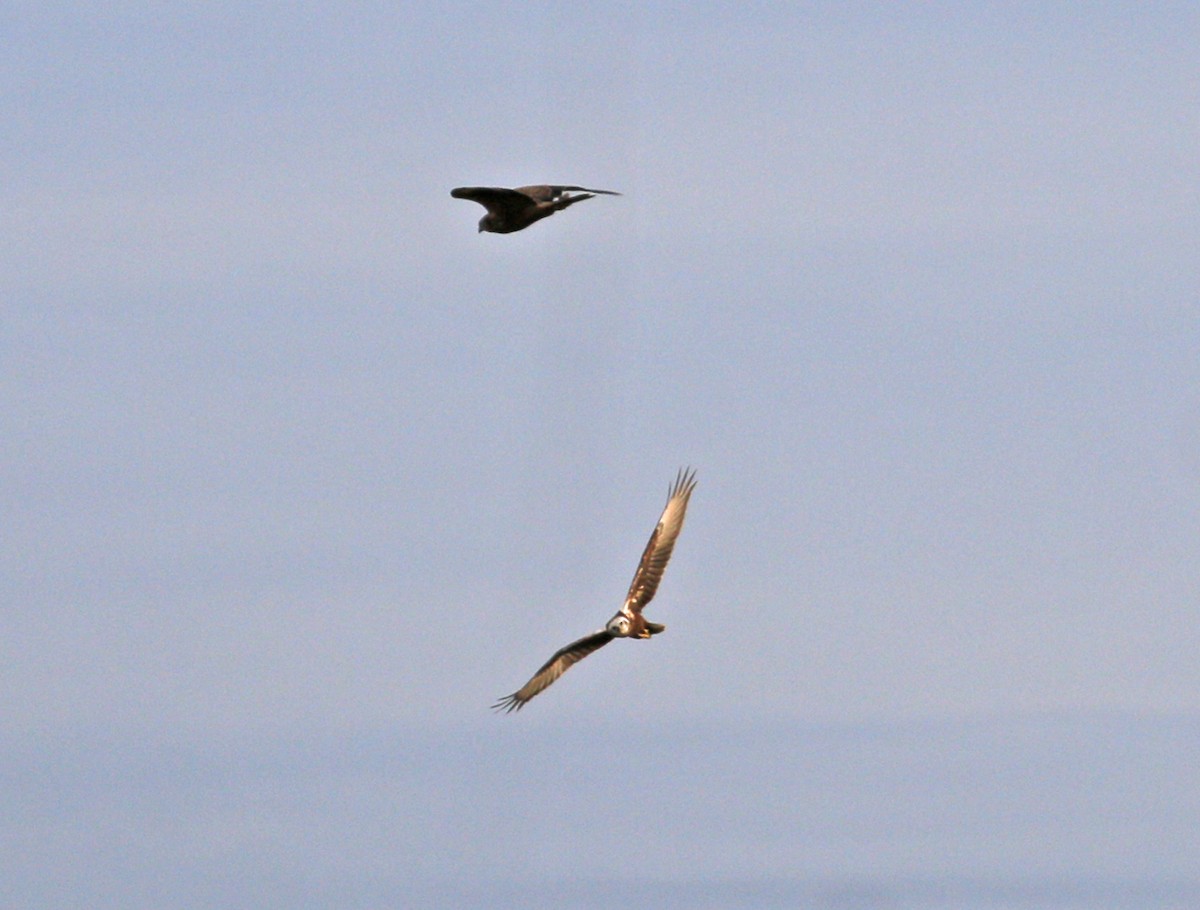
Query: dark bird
point(513, 210)
point(628, 621)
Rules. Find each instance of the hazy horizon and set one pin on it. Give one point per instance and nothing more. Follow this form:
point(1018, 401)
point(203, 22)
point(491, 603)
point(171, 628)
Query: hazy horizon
point(1018, 812)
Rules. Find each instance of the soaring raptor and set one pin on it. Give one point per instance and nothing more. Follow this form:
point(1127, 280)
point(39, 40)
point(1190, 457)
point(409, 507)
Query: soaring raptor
point(628, 622)
point(512, 210)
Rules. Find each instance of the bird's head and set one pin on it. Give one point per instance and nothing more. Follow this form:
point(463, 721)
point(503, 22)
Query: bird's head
point(618, 626)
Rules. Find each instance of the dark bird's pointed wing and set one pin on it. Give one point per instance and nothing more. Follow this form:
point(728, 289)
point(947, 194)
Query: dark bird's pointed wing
point(548, 192)
point(556, 666)
point(496, 199)
point(658, 550)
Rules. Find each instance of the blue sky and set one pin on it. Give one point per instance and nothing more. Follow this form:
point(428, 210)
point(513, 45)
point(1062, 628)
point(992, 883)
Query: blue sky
point(292, 453)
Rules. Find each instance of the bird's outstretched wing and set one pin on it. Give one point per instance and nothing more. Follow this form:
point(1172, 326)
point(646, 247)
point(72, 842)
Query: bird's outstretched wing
point(548, 192)
point(556, 666)
point(496, 199)
point(658, 550)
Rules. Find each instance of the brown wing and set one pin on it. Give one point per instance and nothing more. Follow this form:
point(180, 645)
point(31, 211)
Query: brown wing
point(548, 193)
point(556, 666)
point(496, 199)
point(658, 550)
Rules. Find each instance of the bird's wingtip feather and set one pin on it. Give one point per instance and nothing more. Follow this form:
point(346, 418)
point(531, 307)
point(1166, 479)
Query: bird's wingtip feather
point(508, 704)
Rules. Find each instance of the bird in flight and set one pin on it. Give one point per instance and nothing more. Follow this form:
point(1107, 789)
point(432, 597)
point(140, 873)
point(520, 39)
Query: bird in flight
point(513, 210)
point(628, 621)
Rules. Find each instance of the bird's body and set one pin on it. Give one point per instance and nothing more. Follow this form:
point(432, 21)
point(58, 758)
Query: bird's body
point(628, 622)
point(510, 210)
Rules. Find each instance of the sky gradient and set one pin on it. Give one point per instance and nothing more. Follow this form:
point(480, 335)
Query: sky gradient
point(292, 455)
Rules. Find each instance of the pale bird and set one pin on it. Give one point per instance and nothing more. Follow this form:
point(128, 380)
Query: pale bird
point(628, 621)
